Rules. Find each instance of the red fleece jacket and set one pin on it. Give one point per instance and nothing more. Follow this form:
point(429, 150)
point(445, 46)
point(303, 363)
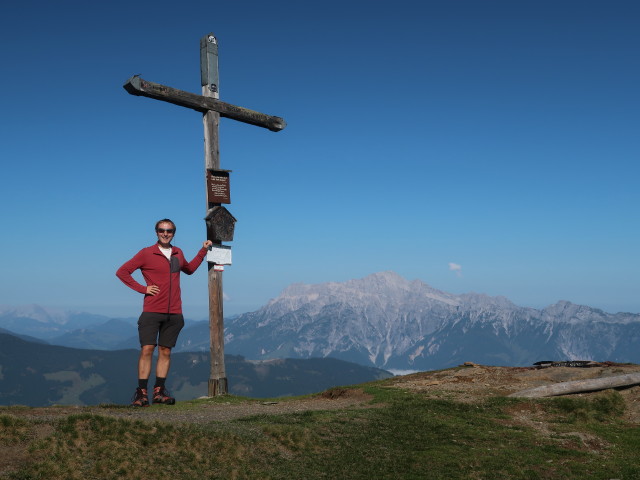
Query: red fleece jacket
point(158, 270)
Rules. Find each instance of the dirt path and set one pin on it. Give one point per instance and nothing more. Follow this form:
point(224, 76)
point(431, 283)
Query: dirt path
point(216, 411)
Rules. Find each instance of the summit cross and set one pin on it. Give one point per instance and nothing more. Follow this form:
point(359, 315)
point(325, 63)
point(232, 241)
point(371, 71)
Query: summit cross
point(212, 109)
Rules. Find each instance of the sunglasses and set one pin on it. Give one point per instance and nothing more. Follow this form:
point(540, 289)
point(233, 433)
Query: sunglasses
point(165, 230)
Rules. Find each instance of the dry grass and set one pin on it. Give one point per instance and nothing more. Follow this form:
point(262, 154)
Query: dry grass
point(448, 424)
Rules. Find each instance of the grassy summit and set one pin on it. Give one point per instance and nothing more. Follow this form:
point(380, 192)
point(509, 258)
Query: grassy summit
point(385, 429)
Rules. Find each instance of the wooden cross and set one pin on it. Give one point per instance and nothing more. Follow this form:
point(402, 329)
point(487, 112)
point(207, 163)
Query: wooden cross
point(212, 109)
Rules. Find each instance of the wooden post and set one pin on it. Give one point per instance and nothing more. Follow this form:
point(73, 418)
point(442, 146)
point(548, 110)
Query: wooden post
point(211, 121)
point(577, 386)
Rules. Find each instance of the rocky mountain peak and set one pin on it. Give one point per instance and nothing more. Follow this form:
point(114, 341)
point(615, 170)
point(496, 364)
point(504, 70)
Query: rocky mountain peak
point(388, 321)
point(382, 288)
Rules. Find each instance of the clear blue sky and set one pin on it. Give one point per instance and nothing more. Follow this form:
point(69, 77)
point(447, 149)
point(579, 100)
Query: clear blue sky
point(479, 146)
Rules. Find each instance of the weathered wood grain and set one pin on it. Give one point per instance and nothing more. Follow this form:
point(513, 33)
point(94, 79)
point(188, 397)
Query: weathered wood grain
point(210, 120)
point(201, 103)
point(577, 386)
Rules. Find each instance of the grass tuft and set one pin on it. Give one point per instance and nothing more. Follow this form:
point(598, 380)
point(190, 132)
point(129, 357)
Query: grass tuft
point(603, 407)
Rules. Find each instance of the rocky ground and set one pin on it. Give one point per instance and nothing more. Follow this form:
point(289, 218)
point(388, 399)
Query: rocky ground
point(473, 382)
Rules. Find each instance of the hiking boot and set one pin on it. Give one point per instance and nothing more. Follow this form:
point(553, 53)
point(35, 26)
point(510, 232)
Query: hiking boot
point(160, 395)
point(140, 398)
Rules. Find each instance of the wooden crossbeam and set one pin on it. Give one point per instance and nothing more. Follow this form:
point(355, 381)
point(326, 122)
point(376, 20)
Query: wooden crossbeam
point(140, 87)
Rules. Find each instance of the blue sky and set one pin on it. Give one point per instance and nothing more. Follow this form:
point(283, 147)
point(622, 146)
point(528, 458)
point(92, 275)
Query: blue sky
point(479, 146)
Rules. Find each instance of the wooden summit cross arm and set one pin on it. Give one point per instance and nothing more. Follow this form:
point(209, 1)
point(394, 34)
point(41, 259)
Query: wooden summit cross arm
point(137, 86)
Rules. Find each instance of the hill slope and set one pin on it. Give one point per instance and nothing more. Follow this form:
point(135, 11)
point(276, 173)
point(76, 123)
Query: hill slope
point(36, 375)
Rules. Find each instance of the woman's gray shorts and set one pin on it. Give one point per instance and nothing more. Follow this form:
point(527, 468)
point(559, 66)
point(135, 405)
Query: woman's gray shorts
point(159, 328)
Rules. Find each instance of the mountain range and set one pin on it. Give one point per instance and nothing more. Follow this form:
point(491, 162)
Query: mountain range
point(69, 329)
point(382, 320)
point(387, 321)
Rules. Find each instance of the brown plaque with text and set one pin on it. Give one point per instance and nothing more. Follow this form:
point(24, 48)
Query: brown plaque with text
point(218, 186)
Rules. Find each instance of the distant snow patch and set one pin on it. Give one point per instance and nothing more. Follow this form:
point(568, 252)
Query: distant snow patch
point(402, 372)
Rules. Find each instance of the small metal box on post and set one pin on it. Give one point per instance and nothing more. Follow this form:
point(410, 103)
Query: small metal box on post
point(220, 225)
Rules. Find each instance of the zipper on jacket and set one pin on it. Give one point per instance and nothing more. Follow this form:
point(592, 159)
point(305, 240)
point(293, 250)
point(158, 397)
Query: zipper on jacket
point(170, 274)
